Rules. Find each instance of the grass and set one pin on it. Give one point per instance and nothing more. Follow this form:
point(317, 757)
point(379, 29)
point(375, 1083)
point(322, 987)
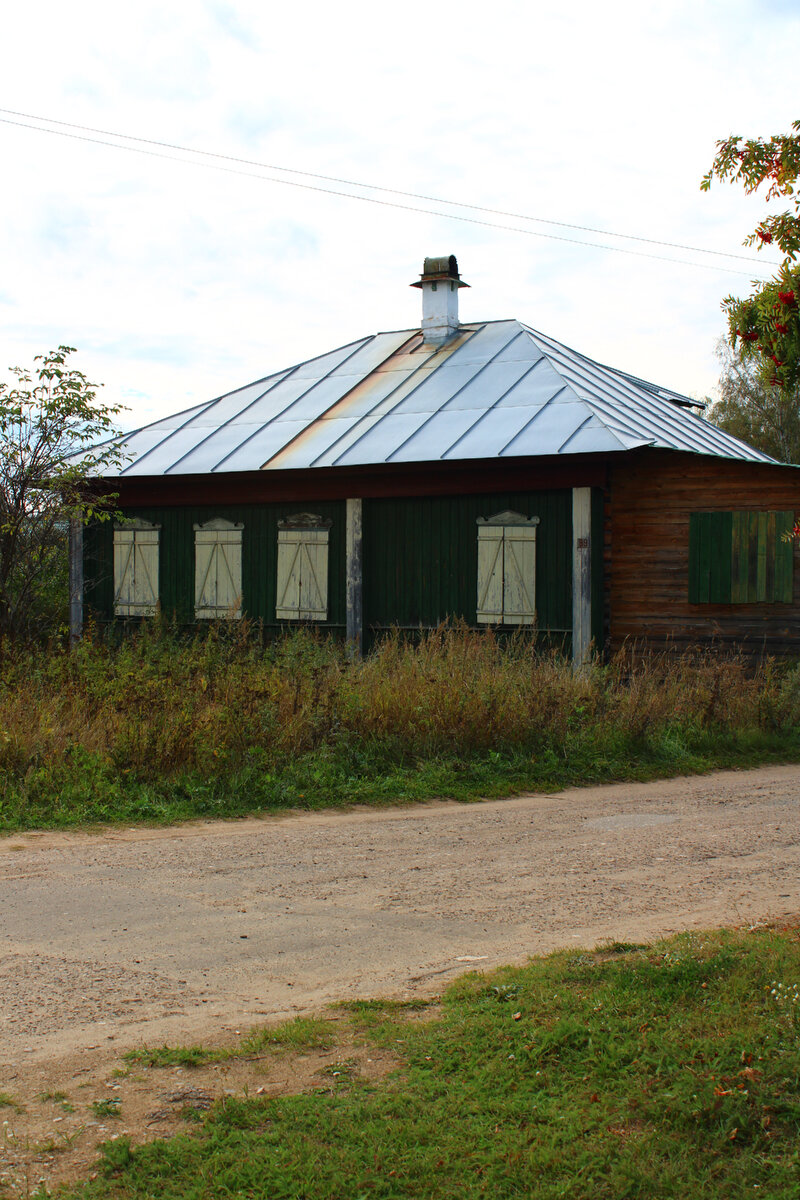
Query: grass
point(160, 729)
point(666, 1071)
point(106, 1108)
point(59, 1098)
point(302, 1033)
point(7, 1101)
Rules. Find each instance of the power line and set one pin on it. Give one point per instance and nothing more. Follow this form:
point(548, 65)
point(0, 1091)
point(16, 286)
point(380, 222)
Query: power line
point(100, 141)
point(498, 212)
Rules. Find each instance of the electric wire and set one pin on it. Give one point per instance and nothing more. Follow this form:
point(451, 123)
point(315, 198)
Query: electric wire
point(498, 212)
point(367, 199)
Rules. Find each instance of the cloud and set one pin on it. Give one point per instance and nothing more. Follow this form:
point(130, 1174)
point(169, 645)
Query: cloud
point(231, 22)
point(180, 282)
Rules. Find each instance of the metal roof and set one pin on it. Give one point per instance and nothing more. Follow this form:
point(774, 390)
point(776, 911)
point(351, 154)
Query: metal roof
point(497, 390)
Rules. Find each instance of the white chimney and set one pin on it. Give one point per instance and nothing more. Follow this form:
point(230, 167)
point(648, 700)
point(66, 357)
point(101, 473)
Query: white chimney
point(440, 282)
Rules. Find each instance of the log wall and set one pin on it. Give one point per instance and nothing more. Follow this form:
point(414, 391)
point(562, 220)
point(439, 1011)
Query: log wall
point(649, 497)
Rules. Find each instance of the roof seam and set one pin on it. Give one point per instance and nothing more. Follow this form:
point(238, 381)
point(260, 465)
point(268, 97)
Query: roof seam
point(225, 424)
point(485, 413)
point(450, 399)
point(358, 346)
point(383, 401)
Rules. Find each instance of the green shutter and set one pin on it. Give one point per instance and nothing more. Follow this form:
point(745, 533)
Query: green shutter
point(784, 557)
point(740, 558)
point(698, 558)
point(710, 558)
point(721, 555)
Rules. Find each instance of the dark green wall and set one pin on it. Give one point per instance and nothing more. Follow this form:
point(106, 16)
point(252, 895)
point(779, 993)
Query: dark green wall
point(176, 558)
point(420, 557)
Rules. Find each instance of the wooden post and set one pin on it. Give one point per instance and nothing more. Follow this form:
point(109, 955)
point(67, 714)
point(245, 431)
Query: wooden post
point(75, 580)
point(355, 578)
point(581, 575)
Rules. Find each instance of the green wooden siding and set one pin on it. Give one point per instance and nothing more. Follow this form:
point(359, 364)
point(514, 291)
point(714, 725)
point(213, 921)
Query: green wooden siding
point(740, 557)
point(259, 558)
point(421, 557)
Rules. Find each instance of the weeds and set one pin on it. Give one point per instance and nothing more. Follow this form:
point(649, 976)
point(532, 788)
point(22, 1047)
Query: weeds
point(160, 729)
point(106, 1108)
point(59, 1098)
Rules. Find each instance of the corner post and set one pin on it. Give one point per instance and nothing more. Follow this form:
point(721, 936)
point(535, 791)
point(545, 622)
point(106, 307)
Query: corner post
point(581, 576)
point(355, 578)
point(75, 580)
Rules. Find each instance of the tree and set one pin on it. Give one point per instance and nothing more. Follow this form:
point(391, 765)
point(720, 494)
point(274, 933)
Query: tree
point(56, 443)
point(765, 327)
point(748, 408)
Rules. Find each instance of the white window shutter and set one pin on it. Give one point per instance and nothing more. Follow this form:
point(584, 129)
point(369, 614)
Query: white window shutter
point(135, 571)
point(490, 574)
point(302, 575)
point(519, 574)
point(229, 574)
point(289, 548)
point(123, 571)
point(205, 578)
point(314, 575)
point(217, 570)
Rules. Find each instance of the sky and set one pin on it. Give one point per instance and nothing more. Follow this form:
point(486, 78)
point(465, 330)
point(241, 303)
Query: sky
point(179, 276)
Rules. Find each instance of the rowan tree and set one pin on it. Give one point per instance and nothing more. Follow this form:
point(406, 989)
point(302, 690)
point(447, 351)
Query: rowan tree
point(765, 326)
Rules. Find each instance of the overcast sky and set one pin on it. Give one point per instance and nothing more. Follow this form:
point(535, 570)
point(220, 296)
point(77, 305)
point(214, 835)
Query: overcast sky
point(178, 282)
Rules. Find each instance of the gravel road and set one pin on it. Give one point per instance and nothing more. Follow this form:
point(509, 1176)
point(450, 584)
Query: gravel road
point(125, 936)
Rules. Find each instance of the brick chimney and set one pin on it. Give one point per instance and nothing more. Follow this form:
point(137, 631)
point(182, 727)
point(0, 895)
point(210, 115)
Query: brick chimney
point(439, 282)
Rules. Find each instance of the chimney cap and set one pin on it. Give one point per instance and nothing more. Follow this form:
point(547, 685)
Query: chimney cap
point(443, 267)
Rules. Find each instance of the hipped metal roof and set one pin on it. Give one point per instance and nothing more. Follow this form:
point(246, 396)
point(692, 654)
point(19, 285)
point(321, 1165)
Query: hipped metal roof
point(497, 390)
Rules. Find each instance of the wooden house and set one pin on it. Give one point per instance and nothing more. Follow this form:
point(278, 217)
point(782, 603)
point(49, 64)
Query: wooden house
point(481, 471)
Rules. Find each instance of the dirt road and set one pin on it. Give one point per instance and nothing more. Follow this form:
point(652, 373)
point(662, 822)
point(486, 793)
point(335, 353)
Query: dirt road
point(122, 937)
point(112, 940)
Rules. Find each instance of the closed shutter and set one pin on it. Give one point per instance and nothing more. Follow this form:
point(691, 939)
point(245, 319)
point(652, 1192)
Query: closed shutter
point(314, 575)
point(507, 570)
point(740, 558)
point(490, 574)
point(218, 571)
point(302, 593)
point(519, 574)
point(289, 546)
point(135, 571)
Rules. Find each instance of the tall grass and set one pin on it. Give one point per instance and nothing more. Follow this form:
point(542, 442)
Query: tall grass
point(160, 727)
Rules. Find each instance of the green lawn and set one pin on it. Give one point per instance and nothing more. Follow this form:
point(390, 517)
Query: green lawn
point(662, 1071)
